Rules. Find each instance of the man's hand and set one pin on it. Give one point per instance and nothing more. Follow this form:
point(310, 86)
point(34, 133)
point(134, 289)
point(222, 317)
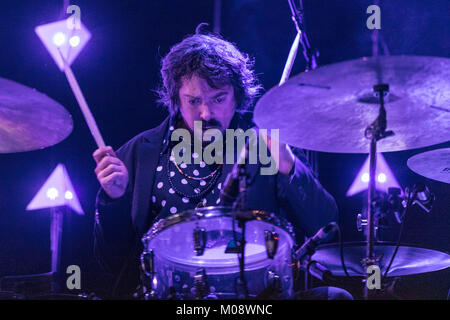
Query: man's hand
point(286, 158)
point(111, 172)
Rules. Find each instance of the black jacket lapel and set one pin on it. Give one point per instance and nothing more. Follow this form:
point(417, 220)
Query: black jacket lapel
point(147, 154)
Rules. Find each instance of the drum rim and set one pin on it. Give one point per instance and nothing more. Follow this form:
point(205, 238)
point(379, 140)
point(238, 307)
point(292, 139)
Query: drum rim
point(214, 212)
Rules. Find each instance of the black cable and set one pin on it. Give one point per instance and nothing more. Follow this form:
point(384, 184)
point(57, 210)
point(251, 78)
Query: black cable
point(400, 233)
point(341, 250)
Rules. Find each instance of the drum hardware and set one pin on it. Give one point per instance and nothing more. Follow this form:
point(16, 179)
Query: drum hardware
point(361, 222)
point(221, 279)
point(235, 191)
point(147, 263)
point(274, 281)
point(423, 197)
point(271, 238)
point(201, 284)
point(384, 205)
point(148, 267)
point(374, 132)
point(319, 271)
point(241, 285)
point(273, 288)
point(199, 237)
point(395, 204)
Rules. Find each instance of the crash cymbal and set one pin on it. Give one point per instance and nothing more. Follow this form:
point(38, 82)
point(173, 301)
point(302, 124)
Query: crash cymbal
point(30, 120)
point(433, 164)
point(329, 108)
point(408, 260)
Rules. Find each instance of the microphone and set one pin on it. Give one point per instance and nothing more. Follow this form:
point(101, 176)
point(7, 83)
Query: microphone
point(309, 247)
point(320, 272)
point(230, 190)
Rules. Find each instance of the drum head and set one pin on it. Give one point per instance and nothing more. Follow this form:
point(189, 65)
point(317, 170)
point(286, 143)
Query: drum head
point(172, 239)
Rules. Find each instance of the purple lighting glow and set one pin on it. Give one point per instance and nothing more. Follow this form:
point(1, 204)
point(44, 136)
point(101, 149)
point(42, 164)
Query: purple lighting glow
point(385, 177)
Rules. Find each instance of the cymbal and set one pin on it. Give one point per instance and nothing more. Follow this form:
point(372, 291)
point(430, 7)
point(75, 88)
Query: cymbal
point(433, 164)
point(329, 108)
point(30, 120)
point(408, 260)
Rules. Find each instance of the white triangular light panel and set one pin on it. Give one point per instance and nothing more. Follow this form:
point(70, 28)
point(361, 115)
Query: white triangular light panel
point(58, 37)
point(385, 179)
point(56, 191)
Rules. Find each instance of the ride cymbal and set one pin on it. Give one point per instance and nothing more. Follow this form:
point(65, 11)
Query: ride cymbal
point(328, 109)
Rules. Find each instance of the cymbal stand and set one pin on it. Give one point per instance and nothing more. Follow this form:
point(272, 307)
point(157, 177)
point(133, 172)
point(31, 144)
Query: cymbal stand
point(375, 132)
point(239, 205)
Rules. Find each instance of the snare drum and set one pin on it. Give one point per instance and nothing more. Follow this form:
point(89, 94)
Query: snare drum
point(193, 255)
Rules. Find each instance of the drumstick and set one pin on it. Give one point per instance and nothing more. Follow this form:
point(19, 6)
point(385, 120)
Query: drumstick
point(290, 60)
point(82, 103)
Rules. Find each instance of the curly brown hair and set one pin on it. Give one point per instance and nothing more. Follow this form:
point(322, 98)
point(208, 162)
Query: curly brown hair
point(214, 59)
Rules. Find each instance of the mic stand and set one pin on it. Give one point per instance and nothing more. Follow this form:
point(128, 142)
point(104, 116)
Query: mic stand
point(302, 38)
point(311, 64)
point(375, 132)
point(239, 205)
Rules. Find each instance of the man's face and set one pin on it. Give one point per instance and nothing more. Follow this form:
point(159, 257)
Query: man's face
point(200, 102)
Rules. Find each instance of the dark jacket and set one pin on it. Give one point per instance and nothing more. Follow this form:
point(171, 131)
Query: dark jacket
point(121, 223)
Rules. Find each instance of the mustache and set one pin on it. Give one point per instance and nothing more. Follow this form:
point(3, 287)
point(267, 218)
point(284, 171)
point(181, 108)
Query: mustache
point(212, 123)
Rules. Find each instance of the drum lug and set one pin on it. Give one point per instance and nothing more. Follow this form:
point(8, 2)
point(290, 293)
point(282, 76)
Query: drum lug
point(201, 284)
point(147, 263)
point(271, 239)
point(199, 240)
point(273, 279)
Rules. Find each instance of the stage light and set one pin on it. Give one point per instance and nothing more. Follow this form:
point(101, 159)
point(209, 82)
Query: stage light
point(68, 195)
point(382, 178)
point(365, 177)
point(385, 179)
point(52, 193)
point(49, 194)
point(74, 41)
point(58, 39)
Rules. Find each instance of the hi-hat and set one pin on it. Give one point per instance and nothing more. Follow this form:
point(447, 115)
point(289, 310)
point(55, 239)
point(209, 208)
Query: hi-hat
point(433, 164)
point(407, 261)
point(30, 120)
point(329, 108)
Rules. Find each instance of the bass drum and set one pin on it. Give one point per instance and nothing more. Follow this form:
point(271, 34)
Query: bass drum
point(193, 255)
